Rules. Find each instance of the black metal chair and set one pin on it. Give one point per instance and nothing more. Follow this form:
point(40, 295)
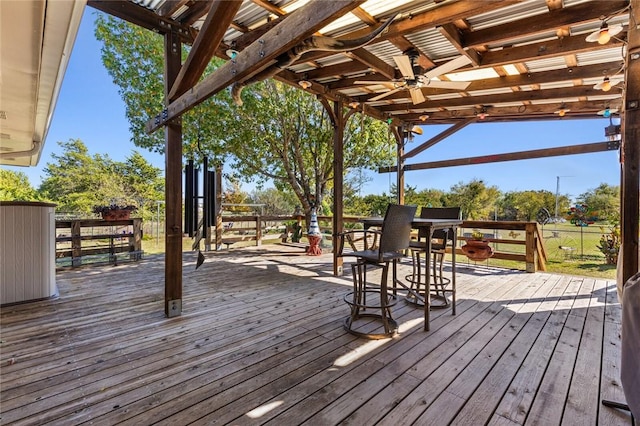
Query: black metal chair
point(394, 238)
point(438, 249)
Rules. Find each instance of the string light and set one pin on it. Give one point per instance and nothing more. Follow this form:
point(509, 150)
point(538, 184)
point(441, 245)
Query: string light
point(305, 84)
point(604, 34)
point(562, 111)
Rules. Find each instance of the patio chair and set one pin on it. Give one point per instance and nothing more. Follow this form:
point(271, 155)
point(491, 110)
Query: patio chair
point(394, 237)
point(440, 240)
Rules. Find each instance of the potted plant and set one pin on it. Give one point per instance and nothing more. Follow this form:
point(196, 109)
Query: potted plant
point(610, 244)
point(477, 248)
point(115, 211)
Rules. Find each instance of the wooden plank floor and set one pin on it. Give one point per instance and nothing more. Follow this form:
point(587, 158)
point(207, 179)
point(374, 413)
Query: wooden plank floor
point(260, 341)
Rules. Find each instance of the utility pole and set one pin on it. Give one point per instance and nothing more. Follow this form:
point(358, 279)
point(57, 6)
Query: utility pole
point(555, 215)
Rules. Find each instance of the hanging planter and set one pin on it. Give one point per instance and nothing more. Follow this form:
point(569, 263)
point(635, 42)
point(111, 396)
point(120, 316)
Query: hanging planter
point(114, 212)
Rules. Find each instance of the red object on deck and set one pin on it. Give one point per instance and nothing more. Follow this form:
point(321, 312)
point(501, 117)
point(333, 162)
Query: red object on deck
point(314, 245)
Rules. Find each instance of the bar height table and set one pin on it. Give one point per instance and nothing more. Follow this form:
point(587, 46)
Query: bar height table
point(430, 225)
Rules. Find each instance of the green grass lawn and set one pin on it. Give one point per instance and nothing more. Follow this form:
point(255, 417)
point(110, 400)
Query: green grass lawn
point(570, 250)
point(580, 255)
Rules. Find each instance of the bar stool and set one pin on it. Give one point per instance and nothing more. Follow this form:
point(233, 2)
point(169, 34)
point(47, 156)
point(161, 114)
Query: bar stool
point(394, 238)
point(440, 240)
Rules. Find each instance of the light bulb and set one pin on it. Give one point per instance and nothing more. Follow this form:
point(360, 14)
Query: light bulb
point(606, 113)
point(562, 112)
point(604, 36)
point(305, 84)
point(423, 117)
point(606, 85)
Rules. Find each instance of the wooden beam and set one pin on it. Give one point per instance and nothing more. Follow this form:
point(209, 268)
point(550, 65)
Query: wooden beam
point(259, 55)
point(404, 44)
point(173, 188)
point(526, 79)
point(441, 136)
point(270, 7)
point(195, 11)
point(582, 109)
point(529, 95)
point(170, 7)
point(143, 17)
point(454, 35)
point(349, 67)
point(440, 15)
point(531, 25)
point(548, 49)
point(522, 155)
point(631, 151)
point(363, 56)
point(221, 13)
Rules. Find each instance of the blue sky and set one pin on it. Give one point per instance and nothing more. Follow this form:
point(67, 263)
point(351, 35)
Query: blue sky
point(89, 108)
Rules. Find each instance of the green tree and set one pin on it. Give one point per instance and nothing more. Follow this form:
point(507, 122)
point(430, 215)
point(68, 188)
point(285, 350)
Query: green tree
point(280, 134)
point(143, 183)
point(476, 200)
point(275, 202)
point(525, 205)
point(15, 186)
point(77, 181)
point(605, 200)
point(134, 58)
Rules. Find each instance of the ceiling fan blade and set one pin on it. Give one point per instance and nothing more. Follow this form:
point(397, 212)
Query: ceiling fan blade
point(404, 65)
point(453, 64)
point(455, 85)
point(388, 84)
point(416, 95)
point(385, 94)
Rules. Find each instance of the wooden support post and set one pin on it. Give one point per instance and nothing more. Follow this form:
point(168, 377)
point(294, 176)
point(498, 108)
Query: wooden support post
point(530, 246)
point(76, 243)
point(400, 166)
point(135, 241)
point(630, 180)
point(338, 183)
point(218, 212)
point(173, 187)
point(258, 230)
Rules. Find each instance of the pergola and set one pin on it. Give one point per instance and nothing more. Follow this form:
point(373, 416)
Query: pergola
point(524, 59)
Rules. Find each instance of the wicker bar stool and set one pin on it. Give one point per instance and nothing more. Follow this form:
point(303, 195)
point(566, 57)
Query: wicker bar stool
point(367, 301)
point(440, 238)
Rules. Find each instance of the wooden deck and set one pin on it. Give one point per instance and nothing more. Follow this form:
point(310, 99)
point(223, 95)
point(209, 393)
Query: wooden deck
point(261, 341)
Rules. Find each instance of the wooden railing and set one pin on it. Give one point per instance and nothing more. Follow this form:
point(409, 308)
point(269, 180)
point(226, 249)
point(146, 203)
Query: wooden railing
point(534, 256)
point(89, 240)
point(528, 248)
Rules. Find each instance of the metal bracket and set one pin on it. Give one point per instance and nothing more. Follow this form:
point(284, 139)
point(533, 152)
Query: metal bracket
point(175, 308)
point(613, 145)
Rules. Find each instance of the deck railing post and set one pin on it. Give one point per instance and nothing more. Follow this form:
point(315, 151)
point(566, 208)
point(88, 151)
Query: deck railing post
point(530, 247)
point(76, 243)
point(258, 230)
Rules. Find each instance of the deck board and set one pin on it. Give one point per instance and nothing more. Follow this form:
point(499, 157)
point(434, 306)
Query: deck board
point(260, 341)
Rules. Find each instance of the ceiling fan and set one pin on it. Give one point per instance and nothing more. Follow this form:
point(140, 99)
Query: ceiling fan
point(413, 80)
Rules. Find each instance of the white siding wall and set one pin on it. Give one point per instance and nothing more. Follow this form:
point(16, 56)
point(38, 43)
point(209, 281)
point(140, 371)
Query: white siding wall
point(27, 251)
